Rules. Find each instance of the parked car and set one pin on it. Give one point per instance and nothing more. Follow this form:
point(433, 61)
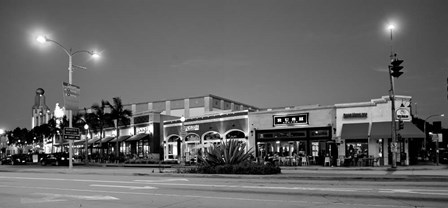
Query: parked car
point(18, 159)
point(55, 159)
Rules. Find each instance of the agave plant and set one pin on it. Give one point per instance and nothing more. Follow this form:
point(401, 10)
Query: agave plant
point(227, 153)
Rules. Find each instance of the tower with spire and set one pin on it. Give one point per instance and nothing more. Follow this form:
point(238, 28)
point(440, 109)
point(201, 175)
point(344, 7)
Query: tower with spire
point(40, 111)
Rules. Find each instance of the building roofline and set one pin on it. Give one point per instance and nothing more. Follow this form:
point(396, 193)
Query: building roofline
point(207, 95)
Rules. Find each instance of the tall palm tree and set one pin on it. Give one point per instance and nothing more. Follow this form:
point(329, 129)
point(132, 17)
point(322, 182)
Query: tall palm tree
point(101, 118)
point(121, 116)
point(54, 130)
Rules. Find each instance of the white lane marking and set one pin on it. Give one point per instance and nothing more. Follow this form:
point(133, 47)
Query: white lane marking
point(415, 191)
point(50, 197)
point(294, 202)
point(129, 187)
point(90, 180)
point(162, 180)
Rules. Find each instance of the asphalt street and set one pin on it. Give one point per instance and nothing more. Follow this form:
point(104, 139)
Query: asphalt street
point(116, 187)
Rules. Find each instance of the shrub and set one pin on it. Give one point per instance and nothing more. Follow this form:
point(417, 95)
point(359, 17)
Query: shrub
point(230, 153)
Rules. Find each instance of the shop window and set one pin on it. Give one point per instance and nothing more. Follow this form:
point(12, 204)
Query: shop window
point(281, 135)
point(357, 148)
point(298, 134)
point(192, 138)
point(315, 149)
point(266, 136)
point(173, 139)
point(212, 136)
point(319, 133)
point(235, 134)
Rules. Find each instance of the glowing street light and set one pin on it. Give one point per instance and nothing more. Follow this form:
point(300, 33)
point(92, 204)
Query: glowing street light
point(43, 39)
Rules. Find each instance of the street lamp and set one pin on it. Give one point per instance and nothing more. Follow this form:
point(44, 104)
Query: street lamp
point(2, 141)
point(182, 136)
point(86, 127)
point(70, 54)
point(424, 130)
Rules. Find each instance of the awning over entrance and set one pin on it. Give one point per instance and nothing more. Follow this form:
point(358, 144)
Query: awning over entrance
point(79, 142)
point(384, 130)
point(107, 139)
point(355, 131)
point(94, 140)
point(137, 137)
point(120, 138)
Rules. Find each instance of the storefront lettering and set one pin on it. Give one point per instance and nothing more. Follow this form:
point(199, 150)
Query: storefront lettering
point(355, 115)
point(192, 128)
point(296, 119)
point(142, 130)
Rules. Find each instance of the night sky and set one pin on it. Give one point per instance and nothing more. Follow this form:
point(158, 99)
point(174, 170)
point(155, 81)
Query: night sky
point(262, 53)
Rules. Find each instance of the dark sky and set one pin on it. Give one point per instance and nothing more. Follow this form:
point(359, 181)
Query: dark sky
point(263, 53)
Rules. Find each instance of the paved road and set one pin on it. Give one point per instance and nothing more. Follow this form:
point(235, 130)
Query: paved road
point(25, 189)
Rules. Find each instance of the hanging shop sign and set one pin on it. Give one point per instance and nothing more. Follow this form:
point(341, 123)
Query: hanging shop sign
point(291, 120)
point(403, 114)
point(354, 115)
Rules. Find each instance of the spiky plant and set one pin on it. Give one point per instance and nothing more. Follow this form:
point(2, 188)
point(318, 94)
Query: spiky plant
point(227, 153)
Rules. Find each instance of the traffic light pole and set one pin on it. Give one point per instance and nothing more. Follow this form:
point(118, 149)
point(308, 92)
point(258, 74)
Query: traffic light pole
point(393, 126)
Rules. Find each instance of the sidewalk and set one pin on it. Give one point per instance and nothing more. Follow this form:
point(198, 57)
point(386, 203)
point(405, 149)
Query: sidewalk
point(428, 172)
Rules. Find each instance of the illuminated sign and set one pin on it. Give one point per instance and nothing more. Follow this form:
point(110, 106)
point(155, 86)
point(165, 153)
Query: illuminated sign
point(291, 120)
point(192, 128)
point(141, 130)
point(403, 114)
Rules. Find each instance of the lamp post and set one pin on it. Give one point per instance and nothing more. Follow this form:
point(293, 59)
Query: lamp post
point(424, 130)
point(70, 54)
point(391, 27)
point(2, 141)
point(182, 137)
point(86, 127)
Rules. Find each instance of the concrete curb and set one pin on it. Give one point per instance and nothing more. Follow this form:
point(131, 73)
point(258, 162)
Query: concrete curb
point(382, 174)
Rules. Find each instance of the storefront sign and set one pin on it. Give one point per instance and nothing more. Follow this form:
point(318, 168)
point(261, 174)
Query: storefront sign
point(192, 128)
point(296, 119)
point(141, 130)
point(403, 114)
point(355, 115)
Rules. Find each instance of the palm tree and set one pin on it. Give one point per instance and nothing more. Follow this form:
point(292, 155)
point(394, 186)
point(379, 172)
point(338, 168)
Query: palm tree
point(83, 118)
point(54, 129)
point(121, 116)
point(100, 119)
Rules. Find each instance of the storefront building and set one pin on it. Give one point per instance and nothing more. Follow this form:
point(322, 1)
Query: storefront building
point(289, 133)
point(363, 133)
point(187, 140)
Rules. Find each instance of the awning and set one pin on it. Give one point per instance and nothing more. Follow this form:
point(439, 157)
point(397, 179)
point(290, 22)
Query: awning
point(355, 131)
point(79, 142)
point(94, 140)
point(107, 139)
point(383, 130)
point(120, 139)
point(137, 137)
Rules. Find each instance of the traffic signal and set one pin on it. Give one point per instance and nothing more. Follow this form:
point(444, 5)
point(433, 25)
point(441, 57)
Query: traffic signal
point(395, 67)
point(400, 124)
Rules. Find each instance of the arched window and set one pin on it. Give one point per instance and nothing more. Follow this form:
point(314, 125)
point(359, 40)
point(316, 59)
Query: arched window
point(173, 139)
point(212, 136)
point(192, 138)
point(235, 135)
